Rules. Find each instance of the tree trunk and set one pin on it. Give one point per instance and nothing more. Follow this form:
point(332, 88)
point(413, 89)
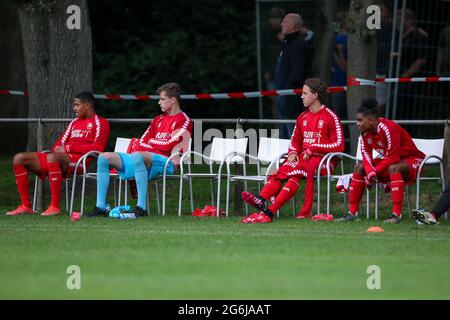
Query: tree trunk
point(361, 60)
point(12, 76)
point(324, 39)
point(58, 62)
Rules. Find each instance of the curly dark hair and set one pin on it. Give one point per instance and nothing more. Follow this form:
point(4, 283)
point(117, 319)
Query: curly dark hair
point(317, 86)
point(369, 107)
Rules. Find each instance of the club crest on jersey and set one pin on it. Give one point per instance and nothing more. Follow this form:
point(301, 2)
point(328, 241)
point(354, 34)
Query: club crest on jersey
point(320, 124)
point(305, 122)
point(89, 126)
point(173, 125)
point(159, 124)
point(369, 141)
point(380, 143)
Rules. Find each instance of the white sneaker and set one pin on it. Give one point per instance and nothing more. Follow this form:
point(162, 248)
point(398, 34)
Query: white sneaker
point(423, 216)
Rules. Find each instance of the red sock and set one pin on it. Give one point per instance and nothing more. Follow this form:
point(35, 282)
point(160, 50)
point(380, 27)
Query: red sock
point(271, 188)
point(288, 191)
point(55, 178)
point(21, 175)
point(309, 196)
point(356, 192)
point(398, 192)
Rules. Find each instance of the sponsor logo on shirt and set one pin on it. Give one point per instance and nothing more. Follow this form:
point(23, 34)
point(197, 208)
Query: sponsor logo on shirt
point(310, 136)
point(163, 135)
point(77, 133)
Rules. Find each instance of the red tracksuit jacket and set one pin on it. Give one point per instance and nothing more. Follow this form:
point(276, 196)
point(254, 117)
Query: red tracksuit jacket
point(84, 135)
point(391, 141)
point(164, 133)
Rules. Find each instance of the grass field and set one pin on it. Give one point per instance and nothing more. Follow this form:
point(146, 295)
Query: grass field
point(190, 258)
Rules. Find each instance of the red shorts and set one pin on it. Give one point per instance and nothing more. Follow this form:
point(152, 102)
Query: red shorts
point(413, 163)
point(303, 168)
point(70, 170)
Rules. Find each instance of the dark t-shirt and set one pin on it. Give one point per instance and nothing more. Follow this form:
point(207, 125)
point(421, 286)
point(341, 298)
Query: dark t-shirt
point(414, 47)
point(444, 46)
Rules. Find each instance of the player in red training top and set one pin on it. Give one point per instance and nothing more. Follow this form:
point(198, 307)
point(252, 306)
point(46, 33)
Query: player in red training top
point(317, 131)
point(399, 163)
point(87, 132)
point(147, 156)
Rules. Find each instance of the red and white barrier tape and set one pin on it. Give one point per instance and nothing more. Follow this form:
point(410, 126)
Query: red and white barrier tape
point(232, 95)
point(351, 81)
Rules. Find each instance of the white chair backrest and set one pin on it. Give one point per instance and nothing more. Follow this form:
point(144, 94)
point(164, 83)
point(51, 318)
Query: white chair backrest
point(431, 147)
point(122, 145)
point(271, 148)
point(375, 154)
point(221, 147)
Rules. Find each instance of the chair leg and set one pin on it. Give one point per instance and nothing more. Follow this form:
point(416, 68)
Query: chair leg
point(115, 192)
point(368, 204)
point(376, 200)
point(35, 193)
point(409, 200)
point(212, 191)
point(157, 197)
point(67, 195)
point(119, 201)
point(293, 205)
point(191, 194)
point(227, 197)
point(180, 198)
point(125, 191)
point(82, 194)
point(147, 200)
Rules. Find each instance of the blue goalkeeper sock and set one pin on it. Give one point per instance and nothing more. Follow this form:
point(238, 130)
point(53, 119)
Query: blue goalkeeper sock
point(102, 181)
point(141, 176)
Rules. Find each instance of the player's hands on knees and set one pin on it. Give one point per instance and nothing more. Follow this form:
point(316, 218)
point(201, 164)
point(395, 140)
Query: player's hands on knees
point(59, 149)
point(292, 157)
point(371, 178)
point(306, 154)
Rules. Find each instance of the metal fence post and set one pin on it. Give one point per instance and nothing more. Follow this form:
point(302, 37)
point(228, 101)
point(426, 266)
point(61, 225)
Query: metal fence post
point(238, 170)
point(40, 185)
point(446, 155)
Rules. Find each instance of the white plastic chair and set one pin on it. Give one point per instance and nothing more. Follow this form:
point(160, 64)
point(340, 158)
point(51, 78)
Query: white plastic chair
point(66, 181)
point(223, 151)
point(270, 152)
point(330, 177)
point(433, 150)
point(120, 146)
point(177, 152)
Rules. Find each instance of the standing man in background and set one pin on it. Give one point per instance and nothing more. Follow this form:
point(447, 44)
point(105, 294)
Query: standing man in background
point(290, 70)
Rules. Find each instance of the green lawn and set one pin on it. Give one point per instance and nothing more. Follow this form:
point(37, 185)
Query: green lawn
point(190, 258)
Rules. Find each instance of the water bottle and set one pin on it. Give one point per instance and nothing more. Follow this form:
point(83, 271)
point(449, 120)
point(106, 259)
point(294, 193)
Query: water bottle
point(126, 216)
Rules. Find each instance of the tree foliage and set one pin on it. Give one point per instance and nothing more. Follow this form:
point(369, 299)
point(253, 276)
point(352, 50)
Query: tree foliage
point(206, 47)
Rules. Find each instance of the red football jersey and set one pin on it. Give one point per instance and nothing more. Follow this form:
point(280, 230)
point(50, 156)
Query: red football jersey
point(164, 133)
point(319, 132)
point(391, 141)
point(84, 135)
